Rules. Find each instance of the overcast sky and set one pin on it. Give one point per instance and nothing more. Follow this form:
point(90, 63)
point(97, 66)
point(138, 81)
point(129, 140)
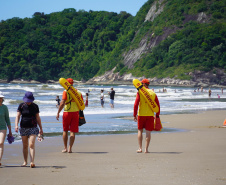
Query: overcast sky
point(26, 8)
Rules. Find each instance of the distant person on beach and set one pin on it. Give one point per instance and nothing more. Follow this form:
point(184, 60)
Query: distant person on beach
point(70, 118)
point(58, 101)
point(218, 95)
point(28, 126)
point(102, 98)
point(112, 95)
point(86, 103)
point(4, 123)
point(201, 89)
point(145, 118)
point(222, 90)
point(210, 92)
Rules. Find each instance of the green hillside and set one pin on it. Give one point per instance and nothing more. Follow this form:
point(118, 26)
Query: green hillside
point(84, 44)
point(67, 43)
point(195, 46)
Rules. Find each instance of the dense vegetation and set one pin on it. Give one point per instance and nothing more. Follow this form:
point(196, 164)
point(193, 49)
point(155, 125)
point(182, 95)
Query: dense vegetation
point(83, 44)
point(67, 43)
point(194, 46)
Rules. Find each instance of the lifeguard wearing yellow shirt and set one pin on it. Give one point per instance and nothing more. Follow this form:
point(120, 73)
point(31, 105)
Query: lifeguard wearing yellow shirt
point(145, 117)
point(70, 117)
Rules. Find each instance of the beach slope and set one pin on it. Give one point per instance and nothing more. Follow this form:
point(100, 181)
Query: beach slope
point(197, 155)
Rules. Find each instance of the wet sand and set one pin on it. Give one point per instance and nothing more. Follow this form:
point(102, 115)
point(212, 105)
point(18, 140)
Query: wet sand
point(193, 157)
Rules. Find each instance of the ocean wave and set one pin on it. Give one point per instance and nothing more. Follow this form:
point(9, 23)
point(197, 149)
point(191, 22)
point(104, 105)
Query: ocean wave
point(13, 102)
point(47, 102)
point(18, 87)
point(183, 99)
point(128, 102)
point(56, 93)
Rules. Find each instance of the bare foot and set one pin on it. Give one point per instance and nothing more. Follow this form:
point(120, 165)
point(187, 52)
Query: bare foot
point(24, 164)
point(64, 151)
point(69, 149)
point(32, 165)
point(146, 152)
point(139, 151)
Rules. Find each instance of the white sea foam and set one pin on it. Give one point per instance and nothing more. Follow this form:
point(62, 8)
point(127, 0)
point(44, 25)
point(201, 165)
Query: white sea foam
point(56, 93)
point(183, 99)
point(104, 119)
point(18, 87)
point(45, 102)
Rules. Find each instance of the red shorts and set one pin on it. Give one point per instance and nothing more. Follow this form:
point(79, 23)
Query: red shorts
point(70, 121)
point(146, 122)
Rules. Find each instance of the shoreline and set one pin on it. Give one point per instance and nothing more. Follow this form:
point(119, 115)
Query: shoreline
point(196, 156)
point(118, 132)
point(123, 82)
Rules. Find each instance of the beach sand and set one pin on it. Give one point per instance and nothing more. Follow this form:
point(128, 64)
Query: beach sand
point(193, 157)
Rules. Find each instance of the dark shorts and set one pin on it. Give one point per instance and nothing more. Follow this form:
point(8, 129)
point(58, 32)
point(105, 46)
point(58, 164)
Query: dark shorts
point(70, 121)
point(29, 131)
point(146, 122)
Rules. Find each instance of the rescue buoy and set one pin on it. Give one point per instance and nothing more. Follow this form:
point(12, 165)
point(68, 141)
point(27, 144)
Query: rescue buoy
point(73, 92)
point(148, 95)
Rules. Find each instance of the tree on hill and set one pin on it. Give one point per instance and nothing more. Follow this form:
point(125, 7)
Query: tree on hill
point(82, 44)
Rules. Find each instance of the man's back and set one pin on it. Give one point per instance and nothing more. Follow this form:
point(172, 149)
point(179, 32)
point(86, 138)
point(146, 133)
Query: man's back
point(112, 94)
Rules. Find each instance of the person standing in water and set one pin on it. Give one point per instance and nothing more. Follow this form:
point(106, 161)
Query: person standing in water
point(112, 95)
point(86, 104)
point(145, 117)
point(102, 98)
point(58, 101)
point(210, 92)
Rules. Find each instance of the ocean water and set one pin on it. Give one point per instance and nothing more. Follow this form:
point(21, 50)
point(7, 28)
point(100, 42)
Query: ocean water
point(106, 120)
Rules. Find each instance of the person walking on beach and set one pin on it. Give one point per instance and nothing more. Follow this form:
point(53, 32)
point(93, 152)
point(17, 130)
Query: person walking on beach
point(145, 118)
point(112, 95)
point(28, 126)
point(70, 118)
point(102, 98)
point(4, 123)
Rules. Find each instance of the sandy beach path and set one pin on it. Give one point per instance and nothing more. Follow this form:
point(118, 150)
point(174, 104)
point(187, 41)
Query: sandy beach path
point(195, 156)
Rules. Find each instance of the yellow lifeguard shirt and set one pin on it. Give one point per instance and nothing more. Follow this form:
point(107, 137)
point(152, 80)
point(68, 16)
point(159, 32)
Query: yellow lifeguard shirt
point(144, 108)
point(70, 104)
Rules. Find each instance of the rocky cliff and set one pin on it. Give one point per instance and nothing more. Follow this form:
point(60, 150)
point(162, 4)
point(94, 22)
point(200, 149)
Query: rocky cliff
point(214, 78)
point(150, 40)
